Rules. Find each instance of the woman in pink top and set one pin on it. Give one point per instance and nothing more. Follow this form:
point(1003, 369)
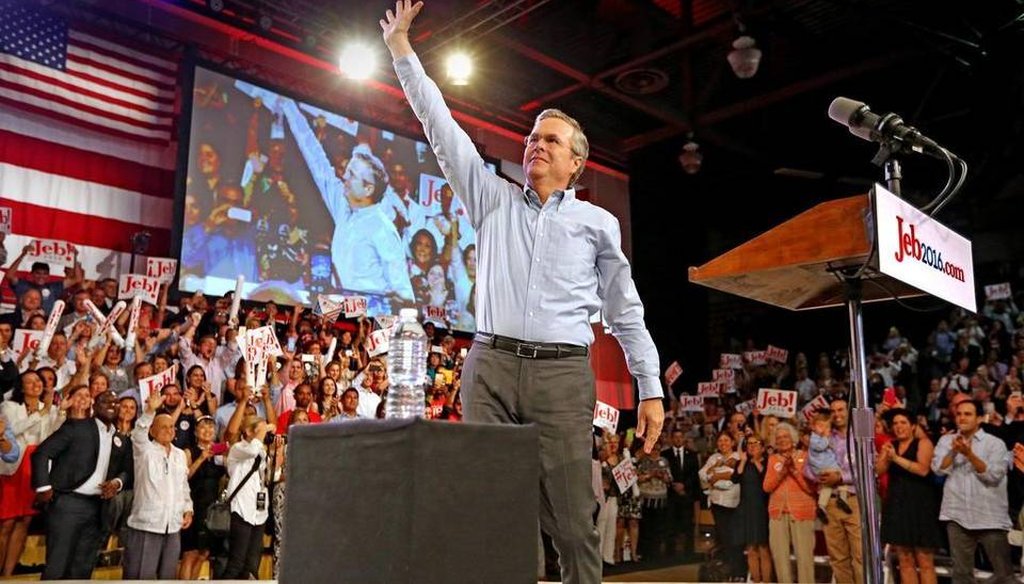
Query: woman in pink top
point(790, 508)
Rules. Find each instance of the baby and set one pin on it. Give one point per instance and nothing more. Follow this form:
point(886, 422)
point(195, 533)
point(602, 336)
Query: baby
point(822, 458)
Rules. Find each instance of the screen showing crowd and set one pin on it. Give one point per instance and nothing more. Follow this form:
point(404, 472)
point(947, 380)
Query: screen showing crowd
point(302, 201)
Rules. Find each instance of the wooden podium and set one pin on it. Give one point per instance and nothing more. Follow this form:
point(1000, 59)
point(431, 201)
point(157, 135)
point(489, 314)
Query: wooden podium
point(796, 264)
point(825, 256)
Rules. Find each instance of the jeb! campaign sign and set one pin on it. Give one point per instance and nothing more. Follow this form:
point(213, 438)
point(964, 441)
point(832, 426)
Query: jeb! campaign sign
point(162, 269)
point(26, 338)
point(132, 285)
point(606, 416)
point(916, 249)
point(776, 402)
point(673, 372)
point(52, 251)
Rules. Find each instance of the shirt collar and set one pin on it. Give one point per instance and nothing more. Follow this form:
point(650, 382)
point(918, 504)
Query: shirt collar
point(561, 197)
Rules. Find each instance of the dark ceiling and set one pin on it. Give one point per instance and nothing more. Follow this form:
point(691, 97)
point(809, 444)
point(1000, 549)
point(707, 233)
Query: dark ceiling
point(638, 72)
point(653, 74)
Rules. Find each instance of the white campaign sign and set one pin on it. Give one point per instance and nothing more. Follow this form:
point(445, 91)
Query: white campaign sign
point(378, 342)
point(776, 354)
point(163, 269)
point(625, 474)
point(691, 403)
point(998, 291)
point(673, 372)
point(353, 306)
point(709, 388)
point(133, 285)
point(727, 377)
point(52, 251)
point(26, 337)
point(812, 407)
point(147, 385)
point(606, 416)
point(755, 357)
point(745, 407)
point(731, 361)
point(776, 402)
point(918, 250)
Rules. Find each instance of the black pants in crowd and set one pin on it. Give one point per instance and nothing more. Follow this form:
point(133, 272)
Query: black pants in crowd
point(72, 537)
point(729, 552)
point(245, 547)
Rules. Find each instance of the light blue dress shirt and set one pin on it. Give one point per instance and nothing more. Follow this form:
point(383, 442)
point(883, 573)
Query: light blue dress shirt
point(971, 499)
point(542, 269)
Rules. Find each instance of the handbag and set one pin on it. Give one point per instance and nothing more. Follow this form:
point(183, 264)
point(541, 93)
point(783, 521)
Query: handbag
point(218, 516)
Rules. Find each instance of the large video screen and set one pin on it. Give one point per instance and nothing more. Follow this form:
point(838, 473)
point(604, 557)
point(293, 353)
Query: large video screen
point(302, 201)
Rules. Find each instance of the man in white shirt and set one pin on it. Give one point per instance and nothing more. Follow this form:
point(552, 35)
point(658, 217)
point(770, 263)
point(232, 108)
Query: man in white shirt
point(163, 505)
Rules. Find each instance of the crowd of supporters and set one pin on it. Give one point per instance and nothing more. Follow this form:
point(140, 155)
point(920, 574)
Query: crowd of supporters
point(189, 443)
point(949, 438)
point(83, 448)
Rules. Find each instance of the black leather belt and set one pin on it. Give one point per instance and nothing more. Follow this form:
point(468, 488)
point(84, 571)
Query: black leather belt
point(528, 350)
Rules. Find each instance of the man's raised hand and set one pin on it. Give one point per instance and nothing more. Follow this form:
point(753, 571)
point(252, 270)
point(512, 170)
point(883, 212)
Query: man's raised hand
point(396, 27)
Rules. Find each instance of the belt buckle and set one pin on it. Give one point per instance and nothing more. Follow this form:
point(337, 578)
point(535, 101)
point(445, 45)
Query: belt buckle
point(529, 347)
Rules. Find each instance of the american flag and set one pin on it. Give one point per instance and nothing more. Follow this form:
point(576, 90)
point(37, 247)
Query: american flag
point(87, 152)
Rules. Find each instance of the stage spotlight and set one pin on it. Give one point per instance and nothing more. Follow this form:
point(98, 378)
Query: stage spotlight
point(358, 61)
point(460, 68)
point(744, 57)
point(215, 5)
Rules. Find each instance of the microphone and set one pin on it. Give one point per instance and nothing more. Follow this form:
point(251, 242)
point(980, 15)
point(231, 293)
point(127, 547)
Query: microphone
point(888, 129)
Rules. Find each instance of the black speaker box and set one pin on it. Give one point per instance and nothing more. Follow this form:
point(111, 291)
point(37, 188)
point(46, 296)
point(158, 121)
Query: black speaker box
point(411, 501)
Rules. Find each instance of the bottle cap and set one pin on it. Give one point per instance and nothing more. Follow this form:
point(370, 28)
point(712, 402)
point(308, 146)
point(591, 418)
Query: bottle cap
point(410, 313)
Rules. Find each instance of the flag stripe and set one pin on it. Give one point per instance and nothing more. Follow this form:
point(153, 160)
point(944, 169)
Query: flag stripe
point(162, 102)
point(47, 223)
point(75, 115)
point(79, 60)
point(170, 67)
point(60, 159)
point(85, 93)
point(18, 121)
point(86, 198)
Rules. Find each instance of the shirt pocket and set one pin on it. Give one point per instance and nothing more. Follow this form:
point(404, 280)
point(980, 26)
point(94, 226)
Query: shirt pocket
point(571, 251)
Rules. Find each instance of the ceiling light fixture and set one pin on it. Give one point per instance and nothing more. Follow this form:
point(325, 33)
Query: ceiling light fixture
point(357, 61)
point(691, 158)
point(744, 57)
point(215, 5)
point(265, 21)
point(460, 68)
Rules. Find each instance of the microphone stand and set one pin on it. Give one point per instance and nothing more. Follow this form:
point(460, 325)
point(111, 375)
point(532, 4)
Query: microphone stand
point(862, 417)
point(890, 163)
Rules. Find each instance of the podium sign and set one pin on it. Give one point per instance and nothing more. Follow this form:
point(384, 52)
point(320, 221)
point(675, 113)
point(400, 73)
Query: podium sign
point(918, 250)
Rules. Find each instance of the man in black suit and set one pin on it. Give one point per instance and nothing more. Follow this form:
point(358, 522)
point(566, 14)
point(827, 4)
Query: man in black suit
point(682, 492)
point(89, 466)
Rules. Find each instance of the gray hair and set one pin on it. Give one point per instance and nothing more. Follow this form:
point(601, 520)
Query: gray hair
point(790, 429)
point(579, 144)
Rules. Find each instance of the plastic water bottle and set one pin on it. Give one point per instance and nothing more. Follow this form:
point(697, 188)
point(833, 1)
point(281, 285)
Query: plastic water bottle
point(407, 368)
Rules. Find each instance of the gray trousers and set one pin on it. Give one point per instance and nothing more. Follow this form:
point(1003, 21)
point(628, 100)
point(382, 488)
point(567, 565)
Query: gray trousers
point(150, 556)
point(962, 545)
point(558, 396)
